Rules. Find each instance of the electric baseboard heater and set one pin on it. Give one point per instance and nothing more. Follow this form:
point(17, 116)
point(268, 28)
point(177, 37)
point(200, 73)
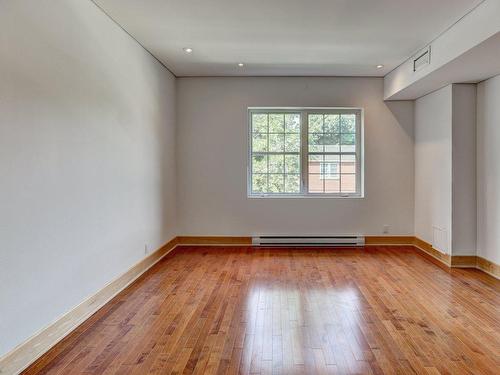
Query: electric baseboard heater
point(325, 241)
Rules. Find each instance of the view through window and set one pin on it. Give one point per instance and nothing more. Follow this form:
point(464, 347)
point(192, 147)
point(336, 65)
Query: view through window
point(326, 141)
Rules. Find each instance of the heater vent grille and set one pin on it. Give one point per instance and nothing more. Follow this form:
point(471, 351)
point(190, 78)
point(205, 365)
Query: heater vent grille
point(326, 241)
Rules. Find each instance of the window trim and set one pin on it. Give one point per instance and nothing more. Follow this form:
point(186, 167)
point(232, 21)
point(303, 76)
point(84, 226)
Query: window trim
point(304, 151)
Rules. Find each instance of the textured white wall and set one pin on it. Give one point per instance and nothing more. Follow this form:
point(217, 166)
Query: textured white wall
point(433, 163)
point(212, 159)
point(488, 169)
point(87, 166)
point(445, 169)
point(464, 202)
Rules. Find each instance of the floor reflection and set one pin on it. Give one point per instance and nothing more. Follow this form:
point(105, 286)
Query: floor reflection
point(290, 311)
point(295, 330)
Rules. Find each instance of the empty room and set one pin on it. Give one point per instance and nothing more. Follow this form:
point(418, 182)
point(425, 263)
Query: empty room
point(249, 187)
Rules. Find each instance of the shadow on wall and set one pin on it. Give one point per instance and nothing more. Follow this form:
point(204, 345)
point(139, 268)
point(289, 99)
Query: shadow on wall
point(403, 112)
point(50, 78)
point(167, 154)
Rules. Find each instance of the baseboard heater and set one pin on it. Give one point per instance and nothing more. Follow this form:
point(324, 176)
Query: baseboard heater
point(325, 241)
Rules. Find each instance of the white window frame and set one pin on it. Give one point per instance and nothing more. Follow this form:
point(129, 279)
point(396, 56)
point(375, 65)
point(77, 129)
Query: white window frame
point(304, 151)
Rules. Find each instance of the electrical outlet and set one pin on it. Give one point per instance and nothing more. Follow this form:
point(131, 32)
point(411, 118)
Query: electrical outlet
point(386, 229)
point(146, 250)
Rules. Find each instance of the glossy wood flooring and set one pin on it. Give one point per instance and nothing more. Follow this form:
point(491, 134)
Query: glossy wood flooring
point(208, 310)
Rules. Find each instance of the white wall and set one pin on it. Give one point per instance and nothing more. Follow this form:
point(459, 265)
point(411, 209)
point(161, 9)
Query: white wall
point(464, 220)
point(433, 163)
point(488, 169)
point(86, 159)
point(212, 159)
point(445, 169)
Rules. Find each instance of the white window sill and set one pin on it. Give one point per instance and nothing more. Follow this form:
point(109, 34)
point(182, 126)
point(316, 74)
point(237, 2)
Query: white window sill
point(307, 196)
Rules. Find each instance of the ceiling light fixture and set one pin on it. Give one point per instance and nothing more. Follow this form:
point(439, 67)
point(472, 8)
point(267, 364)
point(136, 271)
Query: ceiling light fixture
point(380, 66)
point(187, 50)
point(241, 65)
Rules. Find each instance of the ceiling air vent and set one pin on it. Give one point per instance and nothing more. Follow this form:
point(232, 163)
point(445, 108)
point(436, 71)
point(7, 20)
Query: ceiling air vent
point(422, 59)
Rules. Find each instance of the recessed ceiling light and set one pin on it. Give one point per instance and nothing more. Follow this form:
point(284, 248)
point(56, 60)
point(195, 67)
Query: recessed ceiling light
point(380, 66)
point(187, 50)
point(241, 65)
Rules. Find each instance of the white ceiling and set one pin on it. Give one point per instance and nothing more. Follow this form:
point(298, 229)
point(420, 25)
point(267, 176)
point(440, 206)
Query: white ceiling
point(285, 37)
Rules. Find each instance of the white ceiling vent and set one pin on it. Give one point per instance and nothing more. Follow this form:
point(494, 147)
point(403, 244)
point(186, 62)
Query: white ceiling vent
point(422, 59)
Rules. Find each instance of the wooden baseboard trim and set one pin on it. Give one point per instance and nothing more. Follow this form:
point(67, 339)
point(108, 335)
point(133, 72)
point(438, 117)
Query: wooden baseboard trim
point(488, 266)
point(463, 261)
point(441, 259)
point(389, 240)
point(436, 256)
point(26, 353)
point(458, 261)
point(214, 241)
point(433, 252)
point(247, 240)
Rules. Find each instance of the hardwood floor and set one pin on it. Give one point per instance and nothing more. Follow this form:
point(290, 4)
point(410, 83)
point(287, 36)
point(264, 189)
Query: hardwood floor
point(212, 310)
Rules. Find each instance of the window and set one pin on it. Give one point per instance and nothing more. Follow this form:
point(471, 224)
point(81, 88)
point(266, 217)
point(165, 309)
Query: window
point(329, 171)
point(326, 141)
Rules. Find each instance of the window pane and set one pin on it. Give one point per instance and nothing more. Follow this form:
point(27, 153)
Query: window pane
point(292, 142)
point(315, 183)
point(315, 123)
point(348, 183)
point(348, 164)
point(259, 164)
point(315, 142)
point(348, 123)
point(348, 142)
point(348, 139)
point(277, 123)
point(259, 183)
point(332, 159)
point(332, 123)
point(315, 163)
point(292, 163)
point(276, 164)
point(292, 123)
point(331, 142)
point(330, 171)
point(332, 185)
point(259, 142)
point(292, 183)
point(276, 142)
point(276, 183)
point(259, 123)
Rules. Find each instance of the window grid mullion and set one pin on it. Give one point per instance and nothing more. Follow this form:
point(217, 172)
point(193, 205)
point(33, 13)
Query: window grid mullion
point(284, 170)
point(267, 174)
point(323, 146)
point(304, 145)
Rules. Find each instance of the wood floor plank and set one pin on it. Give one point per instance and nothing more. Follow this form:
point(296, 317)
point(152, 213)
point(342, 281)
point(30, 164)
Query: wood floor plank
point(244, 310)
